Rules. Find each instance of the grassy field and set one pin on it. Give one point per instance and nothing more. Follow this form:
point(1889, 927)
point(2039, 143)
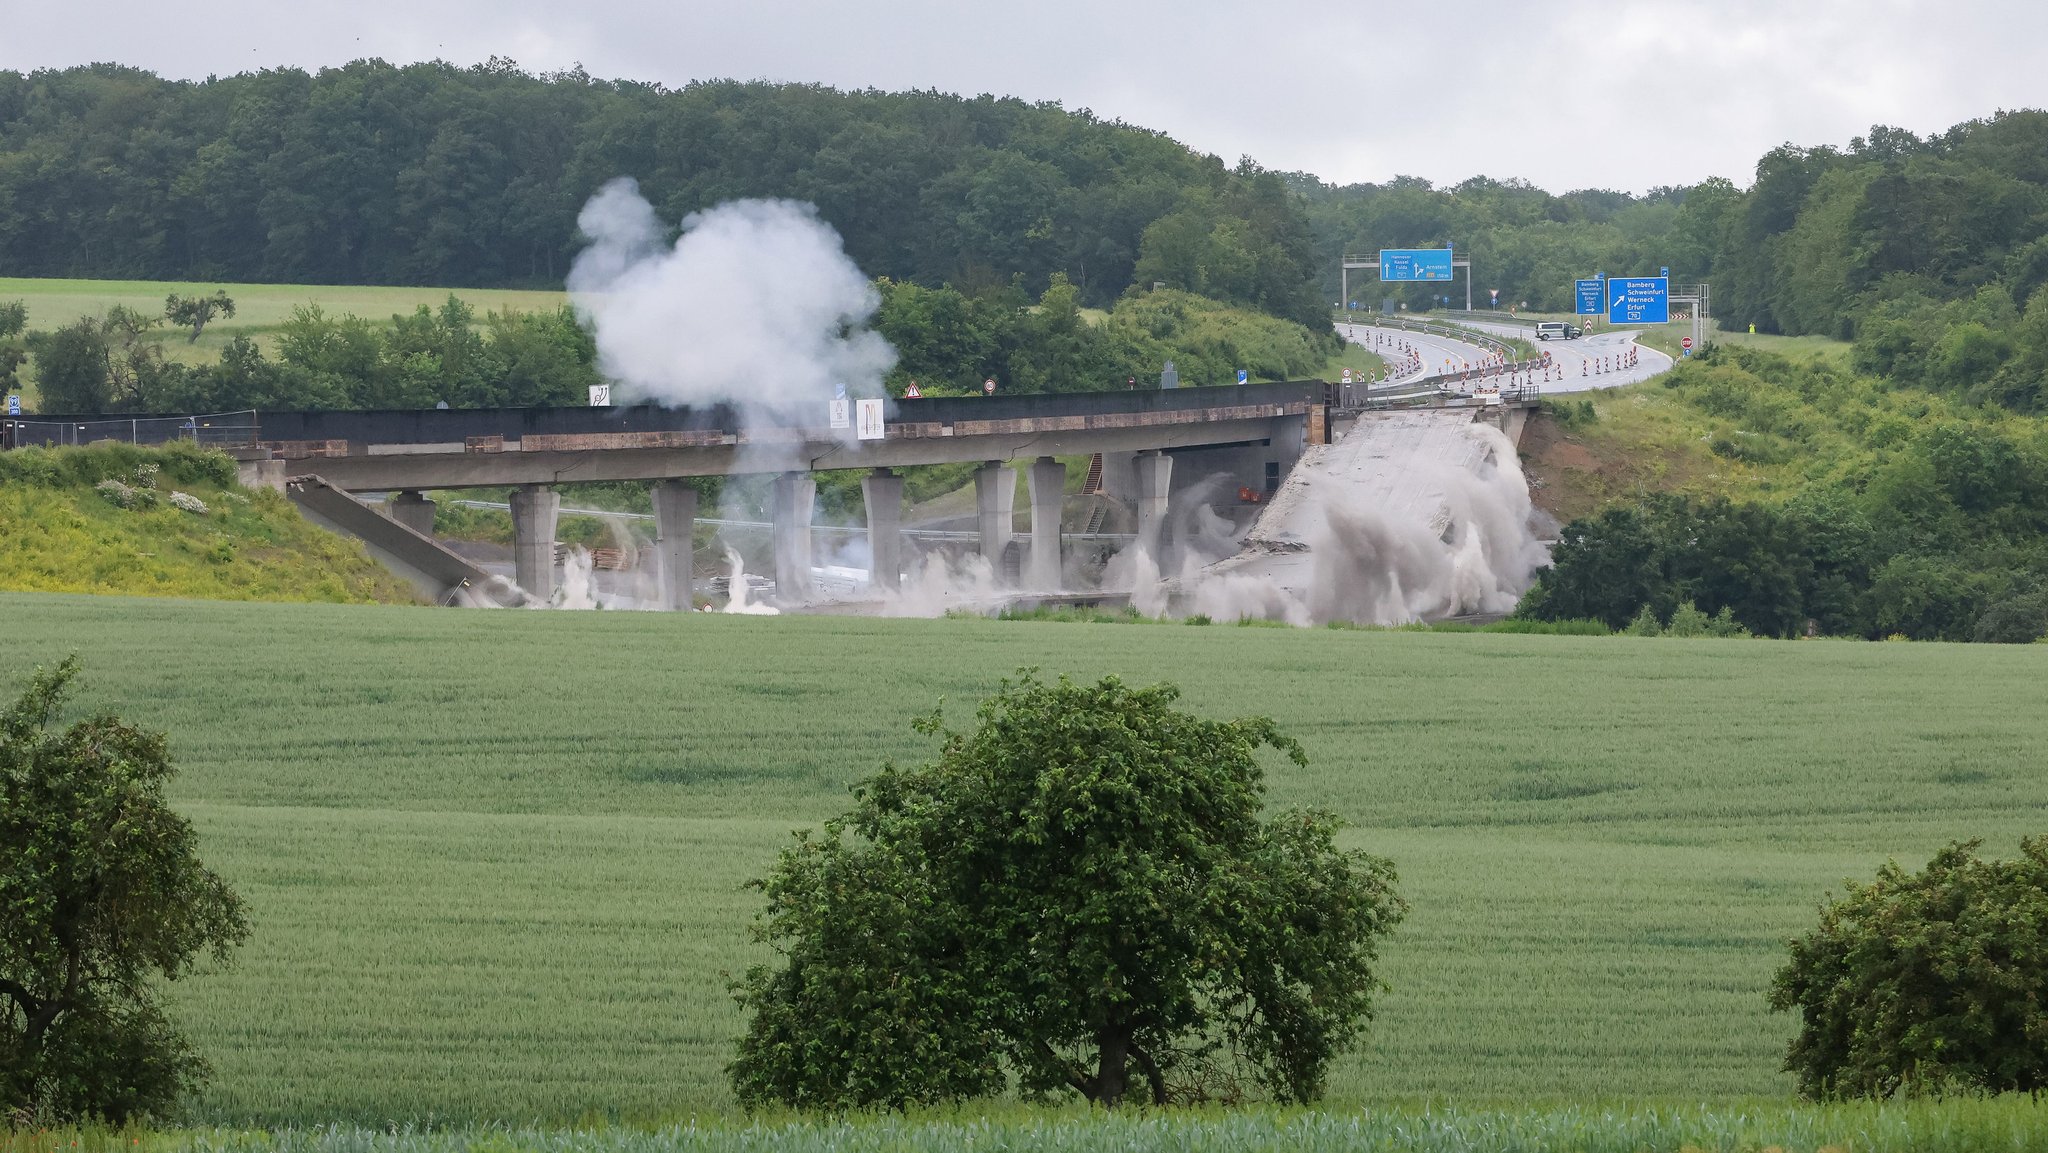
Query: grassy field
point(494, 859)
point(2011, 1125)
point(259, 308)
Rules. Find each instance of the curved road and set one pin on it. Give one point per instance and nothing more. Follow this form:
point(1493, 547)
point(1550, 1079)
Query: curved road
point(1579, 358)
point(1579, 362)
point(1433, 351)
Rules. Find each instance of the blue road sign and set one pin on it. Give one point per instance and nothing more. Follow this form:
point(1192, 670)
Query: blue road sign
point(13, 405)
point(1415, 264)
point(1243, 376)
point(1638, 300)
point(1589, 296)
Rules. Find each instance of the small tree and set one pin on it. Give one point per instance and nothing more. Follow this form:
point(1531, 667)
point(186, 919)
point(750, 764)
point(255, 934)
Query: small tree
point(101, 894)
point(1080, 895)
point(194, 312)
point(1927, 981)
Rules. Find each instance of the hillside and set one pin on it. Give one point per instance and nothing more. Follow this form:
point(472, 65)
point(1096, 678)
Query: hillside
point(1802, 495)
point(108, 519)
point(436, 174)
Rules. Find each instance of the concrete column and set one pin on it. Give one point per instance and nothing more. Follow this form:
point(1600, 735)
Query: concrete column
point(675, 520)
point(883, 492)
point(1048, 494)
point(795, 494)
point(1155, 481)
point(534, 508)
point(413, 510)
point(995, 491)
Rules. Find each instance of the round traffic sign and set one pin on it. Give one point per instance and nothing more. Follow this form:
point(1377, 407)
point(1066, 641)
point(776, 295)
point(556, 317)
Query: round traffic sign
point(1685, 343)
point(989, 386)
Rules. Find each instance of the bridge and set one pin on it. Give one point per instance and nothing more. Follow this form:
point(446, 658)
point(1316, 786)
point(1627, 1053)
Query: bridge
point(1253, 432)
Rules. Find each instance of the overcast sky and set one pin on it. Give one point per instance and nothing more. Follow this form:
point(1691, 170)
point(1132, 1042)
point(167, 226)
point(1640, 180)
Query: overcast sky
point(1563, 93)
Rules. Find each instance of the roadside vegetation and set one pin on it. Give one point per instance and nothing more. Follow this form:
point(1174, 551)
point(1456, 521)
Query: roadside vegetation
point(1799, 497)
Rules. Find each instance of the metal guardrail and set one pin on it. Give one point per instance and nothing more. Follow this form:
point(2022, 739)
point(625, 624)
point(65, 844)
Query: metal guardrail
point(213, 429)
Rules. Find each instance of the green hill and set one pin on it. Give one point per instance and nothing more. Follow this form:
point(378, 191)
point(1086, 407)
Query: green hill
point(168, 522)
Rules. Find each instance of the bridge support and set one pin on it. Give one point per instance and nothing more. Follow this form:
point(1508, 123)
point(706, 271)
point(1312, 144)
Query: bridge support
point(795, 495)
point(995, 491)
point(675, 522)
point(534, 510)
point(1048, 493)
point(883, 492)
point(413, 510)
point(1155, 481)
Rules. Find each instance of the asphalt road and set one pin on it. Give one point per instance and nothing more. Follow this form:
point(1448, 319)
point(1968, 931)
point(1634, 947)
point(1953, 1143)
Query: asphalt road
point(1434, 352)
point(1580, 359)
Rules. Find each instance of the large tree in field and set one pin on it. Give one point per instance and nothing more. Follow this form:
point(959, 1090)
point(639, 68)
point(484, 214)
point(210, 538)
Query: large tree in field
point(102, 895)
point(1079, 895)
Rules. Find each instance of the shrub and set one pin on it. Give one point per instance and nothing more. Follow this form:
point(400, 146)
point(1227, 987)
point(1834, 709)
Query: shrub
point(1925, 982)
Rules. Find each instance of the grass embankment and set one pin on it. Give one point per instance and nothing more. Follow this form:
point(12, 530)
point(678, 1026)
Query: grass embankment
point(61, 533)
point(1961, 1126)
point(494, 861)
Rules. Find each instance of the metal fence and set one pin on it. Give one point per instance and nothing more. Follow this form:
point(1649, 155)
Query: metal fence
point(213, 429)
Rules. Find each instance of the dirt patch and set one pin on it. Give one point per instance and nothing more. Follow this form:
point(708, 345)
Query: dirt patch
point(1567, 479)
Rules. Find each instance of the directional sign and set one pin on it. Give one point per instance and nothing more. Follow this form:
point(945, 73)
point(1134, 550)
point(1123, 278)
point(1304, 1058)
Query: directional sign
point(1243, 376)
point(600, 397)
point(1638, 300)
point(1588, 292)
point(13, 405)
point(1415, 264)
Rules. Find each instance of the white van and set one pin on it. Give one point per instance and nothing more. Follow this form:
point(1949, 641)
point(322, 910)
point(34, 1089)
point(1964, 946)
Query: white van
point(1557, 330)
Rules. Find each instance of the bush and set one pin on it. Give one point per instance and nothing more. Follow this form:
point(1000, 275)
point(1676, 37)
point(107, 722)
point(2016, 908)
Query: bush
point(2018, 620)
point(1925, 982)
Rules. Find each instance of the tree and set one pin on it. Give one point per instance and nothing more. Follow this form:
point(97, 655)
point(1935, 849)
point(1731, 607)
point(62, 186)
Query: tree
point(1925, 982)
point(194, 311)
point(1076, 896)
point(102, 894)
point(13, 319)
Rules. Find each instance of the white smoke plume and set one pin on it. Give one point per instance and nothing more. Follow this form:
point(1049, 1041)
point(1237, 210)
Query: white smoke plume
point(756, 305)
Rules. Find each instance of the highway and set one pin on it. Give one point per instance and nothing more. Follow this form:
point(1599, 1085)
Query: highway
point(1579, 358)
point(1433, 352)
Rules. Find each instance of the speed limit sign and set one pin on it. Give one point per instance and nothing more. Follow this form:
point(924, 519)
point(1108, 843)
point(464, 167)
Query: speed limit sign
point(989, 386)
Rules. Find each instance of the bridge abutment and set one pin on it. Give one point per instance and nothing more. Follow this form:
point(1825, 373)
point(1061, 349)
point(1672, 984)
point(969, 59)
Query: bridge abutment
point(995, 493)
point(796, 493)
point(413, 509)
point(675, 524)
point(882, 490)
point(1048, 493)
point(535, 508)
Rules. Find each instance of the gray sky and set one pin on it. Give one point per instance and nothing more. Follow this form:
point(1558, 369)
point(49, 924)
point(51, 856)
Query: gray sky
point(1563, 93)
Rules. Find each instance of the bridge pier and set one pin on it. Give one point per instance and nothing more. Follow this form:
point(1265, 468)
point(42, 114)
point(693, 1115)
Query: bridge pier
point(535, 508)
point(1048, 493)
point(412, 509)
point(995, 492)
point(1155, 482)
point(882, 490)
point(796, 493)
point(675, 522)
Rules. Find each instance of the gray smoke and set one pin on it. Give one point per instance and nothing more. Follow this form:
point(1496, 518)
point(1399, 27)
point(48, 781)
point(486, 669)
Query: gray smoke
point(756, 305)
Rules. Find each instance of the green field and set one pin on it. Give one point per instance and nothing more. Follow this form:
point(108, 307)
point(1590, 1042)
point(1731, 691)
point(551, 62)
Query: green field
point(259, 308)
point(494, 858)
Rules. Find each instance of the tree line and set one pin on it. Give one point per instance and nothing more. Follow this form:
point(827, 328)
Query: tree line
point(949, 343)
point(371, 173)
